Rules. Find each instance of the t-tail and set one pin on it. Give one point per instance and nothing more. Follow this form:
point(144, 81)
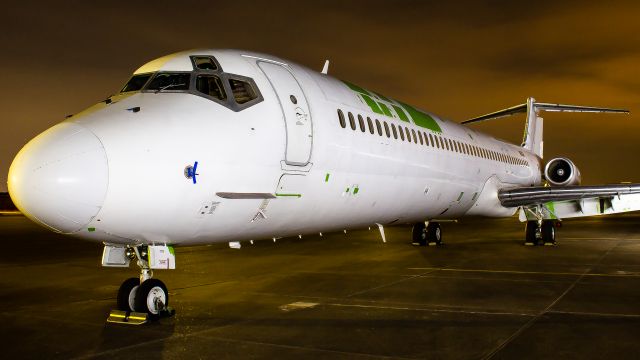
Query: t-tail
point(532, 139)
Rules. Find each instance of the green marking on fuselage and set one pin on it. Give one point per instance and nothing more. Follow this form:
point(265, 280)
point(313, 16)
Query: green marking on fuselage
point(385, 109)
point(326, 178)
point(289, 195)
point(356, 88)
point(91, 229)
point(372, 104)
point(421, 119)
point(355, 191)
point(382, 97)
point(400, 113)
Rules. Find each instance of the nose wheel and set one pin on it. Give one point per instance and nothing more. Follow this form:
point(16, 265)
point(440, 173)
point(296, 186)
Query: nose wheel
point(144, 294)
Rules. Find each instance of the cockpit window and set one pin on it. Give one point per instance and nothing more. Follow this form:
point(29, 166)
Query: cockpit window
point(242, 91)
point(207, 79)
point(204, 63)
point(136, 82)
point(170, 82)
point(211, 85)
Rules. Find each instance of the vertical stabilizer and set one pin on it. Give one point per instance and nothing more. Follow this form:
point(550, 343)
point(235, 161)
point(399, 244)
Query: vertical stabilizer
point(532, 139)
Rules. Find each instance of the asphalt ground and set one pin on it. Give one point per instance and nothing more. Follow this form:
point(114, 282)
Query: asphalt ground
point(482, 294)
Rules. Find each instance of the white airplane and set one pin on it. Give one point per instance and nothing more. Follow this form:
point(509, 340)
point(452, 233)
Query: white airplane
point(209, 146)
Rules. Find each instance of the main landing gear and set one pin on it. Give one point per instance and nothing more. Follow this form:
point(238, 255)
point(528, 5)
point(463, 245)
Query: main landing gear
point(426, 233)
point(144, 294)
point(540, 231)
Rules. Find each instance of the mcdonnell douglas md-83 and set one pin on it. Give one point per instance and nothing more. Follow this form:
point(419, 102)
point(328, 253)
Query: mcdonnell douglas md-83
point(208, 146)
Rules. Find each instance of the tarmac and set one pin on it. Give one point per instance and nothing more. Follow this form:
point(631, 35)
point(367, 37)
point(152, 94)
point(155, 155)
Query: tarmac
point(481, 295)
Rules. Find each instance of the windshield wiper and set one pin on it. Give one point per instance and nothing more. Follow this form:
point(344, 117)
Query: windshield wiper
point(168, 86)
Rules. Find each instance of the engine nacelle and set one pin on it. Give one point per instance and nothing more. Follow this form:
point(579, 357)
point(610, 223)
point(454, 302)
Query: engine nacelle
point(561, 172)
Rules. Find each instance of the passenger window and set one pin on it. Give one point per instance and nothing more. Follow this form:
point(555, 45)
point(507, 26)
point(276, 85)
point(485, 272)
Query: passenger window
point(379, 127)
point(386, 129)
point(419, 136)
point(408, 133)
point(395, 132)
point(431, 140)
point(361, 122)
point(343, 123)
point(136, 83)
point(210, 85)
point(371, 130)
point(204, 63)
point(352, 121)
point(242, 91)
point(401, 132)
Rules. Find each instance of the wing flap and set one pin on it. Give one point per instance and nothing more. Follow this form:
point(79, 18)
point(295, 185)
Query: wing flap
point(572, 201)
point(542, 194)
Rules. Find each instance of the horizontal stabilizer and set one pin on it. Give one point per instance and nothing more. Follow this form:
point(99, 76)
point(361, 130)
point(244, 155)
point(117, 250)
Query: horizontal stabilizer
point(546, 107)
point(542, 194)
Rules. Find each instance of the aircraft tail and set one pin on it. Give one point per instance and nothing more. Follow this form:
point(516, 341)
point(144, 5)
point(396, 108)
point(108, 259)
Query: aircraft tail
point(532, 139)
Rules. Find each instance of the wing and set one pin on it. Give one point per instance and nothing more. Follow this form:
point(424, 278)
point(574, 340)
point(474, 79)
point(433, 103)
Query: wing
point(571, 201)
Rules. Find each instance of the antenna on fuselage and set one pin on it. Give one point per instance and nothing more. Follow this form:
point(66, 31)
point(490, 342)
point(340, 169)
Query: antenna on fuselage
point(325, 68)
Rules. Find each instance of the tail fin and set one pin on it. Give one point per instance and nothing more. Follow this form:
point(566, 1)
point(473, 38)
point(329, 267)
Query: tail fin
point(532, 139)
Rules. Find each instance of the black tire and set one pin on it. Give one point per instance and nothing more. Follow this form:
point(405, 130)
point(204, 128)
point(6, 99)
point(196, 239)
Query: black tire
point(419, 234)
point(434, 233)
point(144, 297)
point(530, 233)
point(549, 232)
point(126, 294)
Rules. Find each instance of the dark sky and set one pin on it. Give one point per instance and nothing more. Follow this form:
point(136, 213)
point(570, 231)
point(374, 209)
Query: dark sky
point(458, 59)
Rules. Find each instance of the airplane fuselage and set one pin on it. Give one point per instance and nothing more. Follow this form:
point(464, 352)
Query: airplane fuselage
point(309, 153)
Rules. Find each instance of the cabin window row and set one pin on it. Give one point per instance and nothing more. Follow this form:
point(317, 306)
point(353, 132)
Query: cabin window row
point(382, 128)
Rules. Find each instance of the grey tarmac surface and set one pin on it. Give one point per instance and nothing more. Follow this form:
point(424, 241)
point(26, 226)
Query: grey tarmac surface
point(483, 294)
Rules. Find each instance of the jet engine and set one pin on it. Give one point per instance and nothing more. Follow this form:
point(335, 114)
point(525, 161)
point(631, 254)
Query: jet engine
point(561, 172)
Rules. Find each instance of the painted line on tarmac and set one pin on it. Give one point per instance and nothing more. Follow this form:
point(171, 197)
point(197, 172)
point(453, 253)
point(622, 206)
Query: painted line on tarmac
point(582, 313)
point(454, 311)
point(595, 238)
point(623, 274)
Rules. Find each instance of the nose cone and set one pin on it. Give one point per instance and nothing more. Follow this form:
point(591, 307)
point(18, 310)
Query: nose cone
point(60, 178)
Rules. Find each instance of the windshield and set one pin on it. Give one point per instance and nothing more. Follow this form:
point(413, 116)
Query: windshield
point(170, 81)
point(136, 82)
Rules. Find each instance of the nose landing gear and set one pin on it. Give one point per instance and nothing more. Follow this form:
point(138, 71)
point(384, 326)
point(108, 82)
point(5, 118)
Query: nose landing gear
point(145, 294)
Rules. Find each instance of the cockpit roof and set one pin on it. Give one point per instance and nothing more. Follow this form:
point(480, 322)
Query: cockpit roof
point(181, 61)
